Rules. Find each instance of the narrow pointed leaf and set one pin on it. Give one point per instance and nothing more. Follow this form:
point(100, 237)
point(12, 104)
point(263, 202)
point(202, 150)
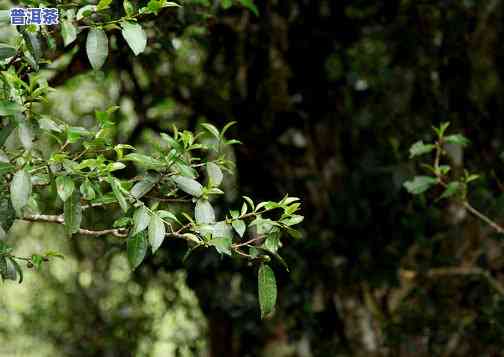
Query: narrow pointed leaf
point(214, 174)
point(116, 188)
point(141, 219)
point(72, 212)
point(267, 290)
point(20, 190)
point(157, 232)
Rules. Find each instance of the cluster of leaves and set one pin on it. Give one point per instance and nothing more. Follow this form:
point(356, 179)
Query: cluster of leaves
point(455, 187)
point(95, 21)
point(171, 192)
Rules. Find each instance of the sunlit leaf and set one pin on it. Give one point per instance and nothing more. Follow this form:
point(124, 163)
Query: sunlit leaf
point(135, 36)
point(204, 212)
point(20, 190)
point(157, 232)
point(97, 47)
point(188, 185)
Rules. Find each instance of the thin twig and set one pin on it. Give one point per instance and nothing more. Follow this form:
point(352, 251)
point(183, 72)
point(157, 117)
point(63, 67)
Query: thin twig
point(484, 218)
point(237, 245)
point(58, 219)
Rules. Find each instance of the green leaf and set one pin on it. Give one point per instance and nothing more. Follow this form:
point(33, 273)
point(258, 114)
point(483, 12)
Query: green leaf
point(174, 144)
point(272, 242)
point(226, 4)
point(49, 125)
point(87, 191)
point(219, 229)
point(457, 139)
point(6, 168)
point(419, 148)
point(97, 47)
point(68, 32)
point(33, 44)
point(145, 161)
point(135, 36)
point(137, 249)
point(167, 215)
point(9, 108)
point(221, 244)
point(117, 189)
point(11, 273)
point(121, 222)
point(74, 133)
point(25, 135)
point(72, 212)
point(443, 169)
point(85, 11)
point(451, 189)
point(249, 201)
point(65, 187)
point(3, 268)
point(267, 290)
point(103, 4)
point(129, 9)
point(37, 261)
point(141, 219)
point(471, 178)
point(188, 185)
point(214, 173)
point(7, 213)
point(5, 132)
point(226, 128)
point(293, 220)
point(18, 269)
point(211, 129)
point(20, 190)
point(419, 184)
point(7, 51)
point(114, 166)
point(239, 226)
point(141, 188)
point(157, 232)
point(204, 212)
point(104, 119)
point(442, 128)
point(250, 5)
